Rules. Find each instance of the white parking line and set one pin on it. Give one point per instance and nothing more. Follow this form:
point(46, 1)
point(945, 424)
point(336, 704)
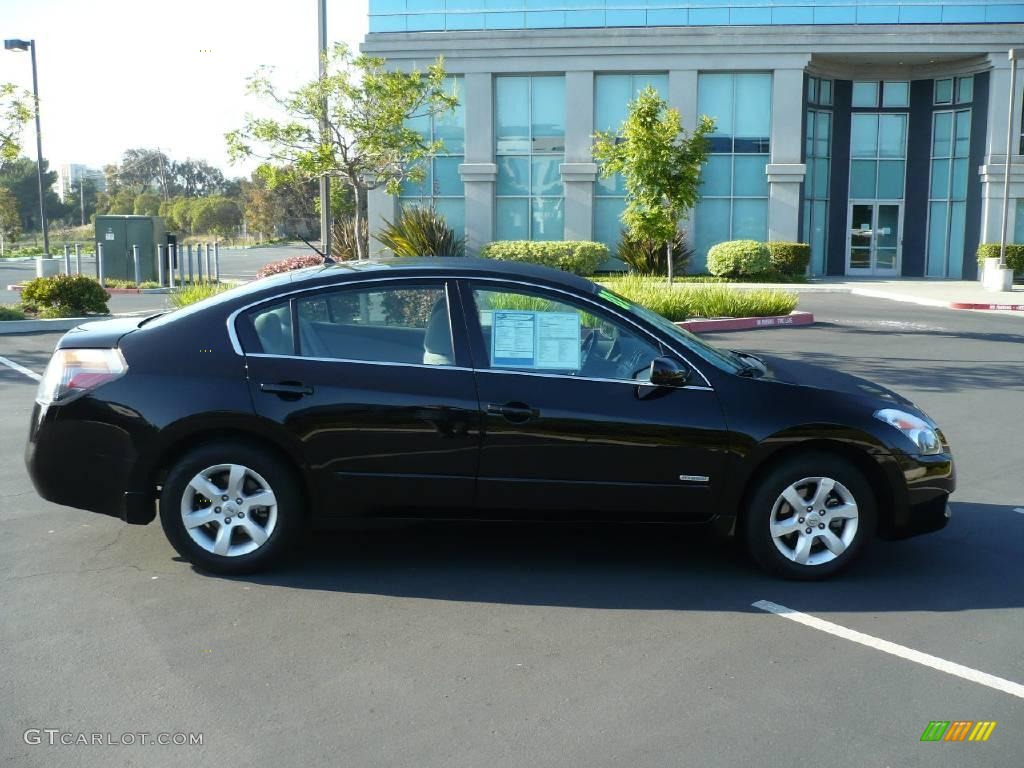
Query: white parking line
point(20, 368)
point(949, 667)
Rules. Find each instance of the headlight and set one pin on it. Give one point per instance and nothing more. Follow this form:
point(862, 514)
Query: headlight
point(73, 372)
point(920, 432)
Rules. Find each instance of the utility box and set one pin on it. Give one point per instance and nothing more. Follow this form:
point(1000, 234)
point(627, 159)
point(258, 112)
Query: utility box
point(117, 235)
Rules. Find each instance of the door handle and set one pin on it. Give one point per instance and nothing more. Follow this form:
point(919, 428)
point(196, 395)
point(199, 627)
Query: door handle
point(288, 389)
point(514, 412)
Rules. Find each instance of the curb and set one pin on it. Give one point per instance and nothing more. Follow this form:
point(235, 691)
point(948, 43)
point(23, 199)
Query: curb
point(794, 318)
point(1003, 307)
point(17, 288)
point(14, 327)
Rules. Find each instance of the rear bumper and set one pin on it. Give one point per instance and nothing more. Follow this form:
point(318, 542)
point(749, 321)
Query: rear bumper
point(928, 482)
point(85, 464)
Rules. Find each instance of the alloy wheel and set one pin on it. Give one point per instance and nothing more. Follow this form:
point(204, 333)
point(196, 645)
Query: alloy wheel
point(814, 521)
point(229, 510)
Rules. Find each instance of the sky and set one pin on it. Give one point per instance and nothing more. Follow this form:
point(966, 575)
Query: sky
point(118, 74)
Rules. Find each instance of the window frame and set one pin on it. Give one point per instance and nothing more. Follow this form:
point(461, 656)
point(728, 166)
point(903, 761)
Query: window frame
point(242, 320)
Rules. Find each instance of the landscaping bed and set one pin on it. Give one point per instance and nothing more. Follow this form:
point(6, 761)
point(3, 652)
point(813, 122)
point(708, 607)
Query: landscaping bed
point(709, 300)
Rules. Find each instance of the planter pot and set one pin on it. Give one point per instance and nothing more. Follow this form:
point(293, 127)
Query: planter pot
point(996, 278)
point(47, 267)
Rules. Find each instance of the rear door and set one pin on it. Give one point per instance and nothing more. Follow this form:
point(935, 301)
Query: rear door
point(373, 381)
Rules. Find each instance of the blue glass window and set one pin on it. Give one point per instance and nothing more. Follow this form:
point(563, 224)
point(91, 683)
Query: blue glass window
point(878, 150)
point(951, 147)
point(734, 189)
point(818, 158)
point(529, 117)
point(442, 188)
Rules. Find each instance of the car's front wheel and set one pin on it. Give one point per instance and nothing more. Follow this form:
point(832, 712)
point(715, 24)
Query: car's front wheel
point(230, 508)
point(810, 517)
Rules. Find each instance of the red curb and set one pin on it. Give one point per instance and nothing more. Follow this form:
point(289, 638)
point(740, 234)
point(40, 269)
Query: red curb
point(968, 305)
point(748, 323)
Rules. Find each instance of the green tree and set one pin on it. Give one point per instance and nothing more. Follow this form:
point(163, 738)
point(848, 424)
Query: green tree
point(19, 177)
point(76, 212)
point(197, 178)
point(10, 219)
point(218, 215)
point(146, 204)
point(661, 164)
point(15, 111)
point(365, 110)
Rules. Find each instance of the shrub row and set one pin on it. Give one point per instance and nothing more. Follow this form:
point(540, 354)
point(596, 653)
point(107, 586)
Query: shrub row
point(738, 258)
point(578, 256)
point(1014, 254)
point(707, 300)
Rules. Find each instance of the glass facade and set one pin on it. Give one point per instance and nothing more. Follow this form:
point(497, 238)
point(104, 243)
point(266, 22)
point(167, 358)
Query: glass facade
point(612, 94)
point(529, 123)
point(878, 151)
point(818, 159)
point(455, 15)
point(734, 191)
point(1018, 229)
point(442, 188)
point(947, 196)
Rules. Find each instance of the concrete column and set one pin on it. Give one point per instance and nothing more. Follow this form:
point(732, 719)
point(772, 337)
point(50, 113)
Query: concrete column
point(682, 95)
point(379, 206)
point(993, 171)
point(579, 171)
point(786, 170)
point(479, 171)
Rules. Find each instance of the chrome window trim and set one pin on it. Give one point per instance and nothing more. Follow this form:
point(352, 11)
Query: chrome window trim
point(446, 279)
point(631, 382)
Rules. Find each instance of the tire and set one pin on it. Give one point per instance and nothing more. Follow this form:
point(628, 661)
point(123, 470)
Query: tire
point(842, 517)
point(223, 536)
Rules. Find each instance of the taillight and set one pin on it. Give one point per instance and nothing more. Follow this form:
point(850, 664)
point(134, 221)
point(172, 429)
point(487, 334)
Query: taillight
point(73, 372)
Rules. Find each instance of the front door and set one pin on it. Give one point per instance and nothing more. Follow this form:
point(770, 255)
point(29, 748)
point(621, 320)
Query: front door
point(875, 239)
point(373, 386)
point(572, 429)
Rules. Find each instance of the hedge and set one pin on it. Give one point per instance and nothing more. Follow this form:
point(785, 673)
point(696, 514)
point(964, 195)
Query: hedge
point(1014, 254)
point(789, 258)
point(64, 296)
point(709, 300)
point(735, 258)
point(578, 256)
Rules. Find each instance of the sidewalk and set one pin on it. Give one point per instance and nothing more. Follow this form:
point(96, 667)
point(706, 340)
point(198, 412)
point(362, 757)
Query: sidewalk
point(949, 294)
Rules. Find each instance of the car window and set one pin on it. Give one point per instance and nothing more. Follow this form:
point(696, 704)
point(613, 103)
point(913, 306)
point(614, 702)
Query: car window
point(530, 331)
point(390, 324)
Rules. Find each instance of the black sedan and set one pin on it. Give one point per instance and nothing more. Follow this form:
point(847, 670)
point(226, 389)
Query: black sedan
point(458, 389)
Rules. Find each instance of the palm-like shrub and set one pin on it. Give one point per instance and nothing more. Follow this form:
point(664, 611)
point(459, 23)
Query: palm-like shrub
point(343, 239)
point(647, 256)
point(421, 231)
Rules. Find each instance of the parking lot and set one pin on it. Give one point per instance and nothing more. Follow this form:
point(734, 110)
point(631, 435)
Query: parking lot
point(514, 645)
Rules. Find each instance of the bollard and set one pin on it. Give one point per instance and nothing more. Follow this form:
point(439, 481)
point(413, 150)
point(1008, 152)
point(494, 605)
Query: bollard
point(209, 262)
point(190, 277)
point(78, 259)
point(172, 258)
point(67, 259)
point(135, 261)
point(199, 263)
point(160, 265)
point(216, 261)
point(179, 256)
point(99, 263)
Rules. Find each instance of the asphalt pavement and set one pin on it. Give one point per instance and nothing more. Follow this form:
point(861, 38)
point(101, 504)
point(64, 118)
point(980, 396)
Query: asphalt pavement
point(516, 646)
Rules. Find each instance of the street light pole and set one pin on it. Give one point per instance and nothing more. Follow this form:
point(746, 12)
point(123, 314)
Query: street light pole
point(30, 45)
point(1014, 55)
point(325, 184)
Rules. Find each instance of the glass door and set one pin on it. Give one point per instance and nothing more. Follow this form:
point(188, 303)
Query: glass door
point(876, 236)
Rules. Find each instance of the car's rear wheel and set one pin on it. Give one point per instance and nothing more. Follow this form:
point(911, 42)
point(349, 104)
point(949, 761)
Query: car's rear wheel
point(230, 508)
point(810, 517)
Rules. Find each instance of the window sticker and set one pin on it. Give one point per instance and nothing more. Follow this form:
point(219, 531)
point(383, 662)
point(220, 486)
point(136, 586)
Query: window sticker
point(539, 340)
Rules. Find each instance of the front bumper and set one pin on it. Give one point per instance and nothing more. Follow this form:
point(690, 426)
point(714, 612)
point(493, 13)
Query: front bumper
point(922, 506)
point(85, 464)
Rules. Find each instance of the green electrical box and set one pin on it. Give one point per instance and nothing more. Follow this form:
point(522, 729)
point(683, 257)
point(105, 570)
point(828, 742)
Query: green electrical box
point(117, 235)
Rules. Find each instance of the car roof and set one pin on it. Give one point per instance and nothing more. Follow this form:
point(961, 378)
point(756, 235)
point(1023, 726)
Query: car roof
point(458, 266)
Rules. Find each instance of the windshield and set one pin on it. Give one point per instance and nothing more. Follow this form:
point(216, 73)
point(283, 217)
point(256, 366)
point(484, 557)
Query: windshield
point(719, 358)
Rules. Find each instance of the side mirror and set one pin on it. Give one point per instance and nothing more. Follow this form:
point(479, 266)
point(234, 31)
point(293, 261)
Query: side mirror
point(666, 372)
